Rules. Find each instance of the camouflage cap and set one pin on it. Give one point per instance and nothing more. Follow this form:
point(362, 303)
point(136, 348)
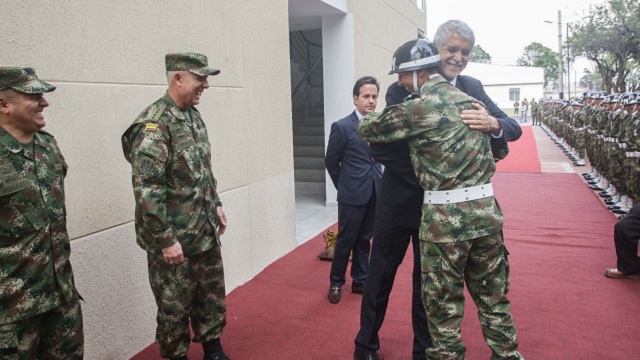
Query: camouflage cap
point(193, 62)
point(23, 80)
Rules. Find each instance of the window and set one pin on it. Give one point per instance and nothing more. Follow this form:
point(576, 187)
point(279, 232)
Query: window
point(514, 94)
point(420, 4)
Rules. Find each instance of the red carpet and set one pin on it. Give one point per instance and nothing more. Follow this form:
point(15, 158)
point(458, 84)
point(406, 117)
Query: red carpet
point(523, 154)
point(560, 238)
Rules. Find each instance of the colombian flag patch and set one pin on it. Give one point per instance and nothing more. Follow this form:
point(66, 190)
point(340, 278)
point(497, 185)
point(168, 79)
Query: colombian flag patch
point(151, 127)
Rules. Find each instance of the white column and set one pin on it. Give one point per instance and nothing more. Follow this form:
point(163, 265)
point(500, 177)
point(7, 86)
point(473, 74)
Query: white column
point(339, 77)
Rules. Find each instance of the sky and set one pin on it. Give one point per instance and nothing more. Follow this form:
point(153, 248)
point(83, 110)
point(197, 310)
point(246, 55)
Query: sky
point(505, 27)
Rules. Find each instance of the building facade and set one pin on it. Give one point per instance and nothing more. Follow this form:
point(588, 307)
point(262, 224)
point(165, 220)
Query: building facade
point(107, 60)
point(506, 84)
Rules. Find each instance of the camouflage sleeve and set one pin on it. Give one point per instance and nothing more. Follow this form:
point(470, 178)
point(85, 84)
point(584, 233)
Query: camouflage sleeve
point(499, 149)
point(149, 154)
point(399, 122)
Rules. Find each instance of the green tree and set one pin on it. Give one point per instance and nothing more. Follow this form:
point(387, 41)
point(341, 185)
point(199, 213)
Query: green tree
point(609, 36)
point(591, 81)
point(478, 55)
point(538, 55)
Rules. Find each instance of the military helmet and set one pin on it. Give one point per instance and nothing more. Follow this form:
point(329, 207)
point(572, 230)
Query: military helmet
point(414, 55)
point(626, 97)
point(631, 98)
point(612, 98)
point(599, 95)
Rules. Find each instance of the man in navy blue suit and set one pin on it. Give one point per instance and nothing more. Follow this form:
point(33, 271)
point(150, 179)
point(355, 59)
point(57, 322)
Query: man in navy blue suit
point(357, 177)
point(399, 205)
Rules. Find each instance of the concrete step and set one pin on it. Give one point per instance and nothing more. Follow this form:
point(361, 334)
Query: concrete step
point(314, 121)
point(314, 163)
point(304, 140)
point(309, 175)
point(309, 130)
point(316, 111)
point(310, 187)
point(308, 151)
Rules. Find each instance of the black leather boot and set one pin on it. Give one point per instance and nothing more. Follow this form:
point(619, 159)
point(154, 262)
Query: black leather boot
point(213, 350)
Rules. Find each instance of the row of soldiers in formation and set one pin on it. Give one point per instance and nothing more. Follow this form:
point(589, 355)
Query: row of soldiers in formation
point(605, 128)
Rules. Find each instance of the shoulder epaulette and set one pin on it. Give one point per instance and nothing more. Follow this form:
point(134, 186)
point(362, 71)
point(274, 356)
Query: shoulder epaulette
point(156, 112)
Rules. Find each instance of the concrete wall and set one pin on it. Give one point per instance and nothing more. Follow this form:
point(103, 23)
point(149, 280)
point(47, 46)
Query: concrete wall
point(107, 59)
point(361, 43)
point(381, 26)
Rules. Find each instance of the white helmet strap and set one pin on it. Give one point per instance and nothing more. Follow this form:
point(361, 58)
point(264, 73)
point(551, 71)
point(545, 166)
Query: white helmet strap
point(415, 82)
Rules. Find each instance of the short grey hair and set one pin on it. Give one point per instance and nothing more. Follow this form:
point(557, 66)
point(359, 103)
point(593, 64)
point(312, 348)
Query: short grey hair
point(453, 27)
point(171, 74)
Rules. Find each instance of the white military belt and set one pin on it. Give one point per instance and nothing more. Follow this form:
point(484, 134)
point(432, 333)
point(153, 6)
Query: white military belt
point(633, 154)
point(458, 195)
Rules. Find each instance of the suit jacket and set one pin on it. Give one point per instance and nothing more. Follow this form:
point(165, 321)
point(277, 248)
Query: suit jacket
point(400, 198)
point(354, 173)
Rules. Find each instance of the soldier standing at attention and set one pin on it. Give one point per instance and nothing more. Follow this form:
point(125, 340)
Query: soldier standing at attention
point(40, 315)
point(461, 230)
point(534, 111)
point(179, 216)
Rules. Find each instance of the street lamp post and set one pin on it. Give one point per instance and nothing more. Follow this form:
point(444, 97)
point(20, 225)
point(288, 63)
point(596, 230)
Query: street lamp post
point(568, 66)
point(560, 75)
point(560, 67)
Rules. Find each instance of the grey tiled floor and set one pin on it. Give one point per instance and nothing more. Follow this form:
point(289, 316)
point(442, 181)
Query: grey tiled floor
point(312, 216)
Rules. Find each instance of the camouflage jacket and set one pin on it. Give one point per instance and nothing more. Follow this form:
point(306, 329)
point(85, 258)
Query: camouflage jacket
point(601, 121)
point(173, 185)
point(627, 128)
point(616, 122)
point(35, 272)
point(446, 155)
point(577, 118)
point(633, 137)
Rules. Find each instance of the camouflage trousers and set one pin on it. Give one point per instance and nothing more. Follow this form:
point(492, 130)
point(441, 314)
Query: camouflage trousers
point(580, 140)
point(193, 290)
point(615, 167)
point(482, 264)
point(633, 178)
point(54, 335)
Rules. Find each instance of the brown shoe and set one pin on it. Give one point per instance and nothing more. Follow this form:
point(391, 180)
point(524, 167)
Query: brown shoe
point(357, 288)
point(334, 294)
point(614, 273)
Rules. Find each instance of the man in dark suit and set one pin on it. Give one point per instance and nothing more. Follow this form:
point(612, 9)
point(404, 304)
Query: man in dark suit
point(357, 177)
point(400, 199)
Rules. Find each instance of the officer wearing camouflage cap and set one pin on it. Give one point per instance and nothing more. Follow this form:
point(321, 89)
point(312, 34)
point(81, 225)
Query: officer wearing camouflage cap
point(460, 234)
point(40, 315)
point(179, 216)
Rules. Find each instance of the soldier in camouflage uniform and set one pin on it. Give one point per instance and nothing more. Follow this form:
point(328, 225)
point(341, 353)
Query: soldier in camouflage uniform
point(40, 315)
point(534, 111)
point(461, 228)
point(179, 216)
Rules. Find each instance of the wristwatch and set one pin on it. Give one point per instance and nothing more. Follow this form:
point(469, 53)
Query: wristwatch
point(218, 203)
